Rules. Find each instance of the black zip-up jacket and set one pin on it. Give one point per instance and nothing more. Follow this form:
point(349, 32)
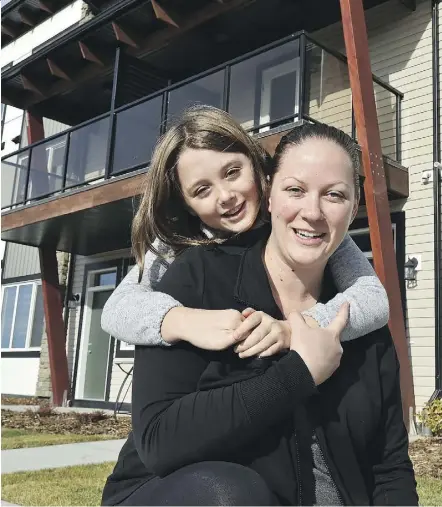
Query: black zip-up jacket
point(191, 405)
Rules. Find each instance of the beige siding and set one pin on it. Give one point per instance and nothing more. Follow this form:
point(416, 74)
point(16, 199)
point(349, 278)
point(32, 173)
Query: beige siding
point(401, 54)
point(21, 260)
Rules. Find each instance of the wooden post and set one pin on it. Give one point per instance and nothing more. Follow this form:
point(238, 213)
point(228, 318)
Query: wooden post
point(375, 188)
point(52, 303)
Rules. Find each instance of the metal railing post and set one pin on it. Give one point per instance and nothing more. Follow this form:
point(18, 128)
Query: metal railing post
point(65, 160)
point(302, 76)
point(226, 91)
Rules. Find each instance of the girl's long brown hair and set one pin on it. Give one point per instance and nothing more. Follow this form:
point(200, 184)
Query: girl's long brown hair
point(162, 212)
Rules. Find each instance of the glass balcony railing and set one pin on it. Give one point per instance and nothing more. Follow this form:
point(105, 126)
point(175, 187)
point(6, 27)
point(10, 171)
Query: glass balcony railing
point(276, 86)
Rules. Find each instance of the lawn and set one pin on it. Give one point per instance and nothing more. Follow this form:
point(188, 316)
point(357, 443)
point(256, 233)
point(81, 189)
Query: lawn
point(82, 485)
point(18, 438)
point(79, 485)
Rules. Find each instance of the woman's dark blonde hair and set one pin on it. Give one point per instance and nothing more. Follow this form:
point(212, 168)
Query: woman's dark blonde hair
point(307, 131)
point(162, 212)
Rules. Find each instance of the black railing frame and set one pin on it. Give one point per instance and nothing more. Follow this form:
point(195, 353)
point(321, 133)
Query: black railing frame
point(303, 38)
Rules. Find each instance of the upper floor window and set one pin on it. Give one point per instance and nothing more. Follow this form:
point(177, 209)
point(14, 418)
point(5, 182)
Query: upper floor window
point(22, 316)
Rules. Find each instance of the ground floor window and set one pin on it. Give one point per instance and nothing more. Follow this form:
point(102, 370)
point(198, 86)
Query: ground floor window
point(22, 316)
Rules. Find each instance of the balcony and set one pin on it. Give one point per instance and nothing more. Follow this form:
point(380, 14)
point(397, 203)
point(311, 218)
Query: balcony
point(268, 91)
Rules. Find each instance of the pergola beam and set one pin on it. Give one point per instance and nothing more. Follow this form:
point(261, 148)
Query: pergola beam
point(125, 35)
point(31, 85)
point(57, 71)
point(375, 188)
point(92, 55)
point(9, 30)
point(162, 14)
point(28, 17)
point(46, 6)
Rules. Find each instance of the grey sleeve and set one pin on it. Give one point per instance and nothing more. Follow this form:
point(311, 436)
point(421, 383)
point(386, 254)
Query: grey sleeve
point(134, 312)
point(358, 285)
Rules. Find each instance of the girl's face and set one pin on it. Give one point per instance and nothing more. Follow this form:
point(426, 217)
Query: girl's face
point(220, 188)
point(312, 202)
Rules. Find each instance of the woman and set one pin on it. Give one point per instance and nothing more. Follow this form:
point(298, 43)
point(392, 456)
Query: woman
point(310, 427)
point(137, 315)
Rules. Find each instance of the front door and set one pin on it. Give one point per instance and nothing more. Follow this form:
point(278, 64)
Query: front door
point(95, 346)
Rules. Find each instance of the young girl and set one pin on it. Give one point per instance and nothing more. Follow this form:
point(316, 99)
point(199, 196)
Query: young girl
point(209, 210)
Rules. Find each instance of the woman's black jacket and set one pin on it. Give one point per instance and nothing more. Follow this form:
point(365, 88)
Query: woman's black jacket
point(191, 405)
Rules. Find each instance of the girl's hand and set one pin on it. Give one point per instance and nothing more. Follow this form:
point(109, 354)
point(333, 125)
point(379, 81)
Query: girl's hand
point(261, 335)
point(205, 329)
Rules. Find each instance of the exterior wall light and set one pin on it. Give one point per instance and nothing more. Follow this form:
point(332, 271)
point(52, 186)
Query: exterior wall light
point(410, 269)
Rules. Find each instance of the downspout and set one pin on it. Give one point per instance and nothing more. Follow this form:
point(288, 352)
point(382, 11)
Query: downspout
point(437, 201)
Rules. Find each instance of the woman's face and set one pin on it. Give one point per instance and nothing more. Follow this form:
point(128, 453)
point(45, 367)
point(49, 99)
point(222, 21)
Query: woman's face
point(220, 188)
point(312, 202)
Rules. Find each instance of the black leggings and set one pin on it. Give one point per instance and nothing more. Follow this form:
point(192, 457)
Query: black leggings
point(205, 483)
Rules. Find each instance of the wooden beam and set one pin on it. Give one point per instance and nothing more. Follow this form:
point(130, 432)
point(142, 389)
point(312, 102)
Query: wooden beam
point(28, 17)
point(91, 55)
point(32, 85)
point(55, 330)
point(161, 13)
point(57, 71)
point(126, 35)
point(46, 6)
point(52, 303)
point(90, 197)
point(9, 30)
point(375, 188)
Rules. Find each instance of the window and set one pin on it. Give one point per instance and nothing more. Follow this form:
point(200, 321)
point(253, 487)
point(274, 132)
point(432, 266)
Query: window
point(22, 316)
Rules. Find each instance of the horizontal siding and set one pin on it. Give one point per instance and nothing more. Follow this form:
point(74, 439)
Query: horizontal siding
point(21, 260)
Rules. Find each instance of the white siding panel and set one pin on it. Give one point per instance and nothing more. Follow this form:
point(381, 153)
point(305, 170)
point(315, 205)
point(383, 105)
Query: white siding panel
point(19, 375)
point(21, 260)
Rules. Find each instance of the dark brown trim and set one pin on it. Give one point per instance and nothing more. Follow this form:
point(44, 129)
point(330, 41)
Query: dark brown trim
point(109, 191)
point(20, 279)
point(20, 354)
point(53, 311)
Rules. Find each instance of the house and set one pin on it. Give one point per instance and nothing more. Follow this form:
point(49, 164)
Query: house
point(89, 102)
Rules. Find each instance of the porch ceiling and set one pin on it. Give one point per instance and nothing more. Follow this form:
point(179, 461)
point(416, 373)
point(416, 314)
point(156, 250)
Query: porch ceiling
point(97, 218)
point(74, 69)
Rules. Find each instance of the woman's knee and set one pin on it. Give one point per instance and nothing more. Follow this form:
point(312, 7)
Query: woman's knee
point(222, 483)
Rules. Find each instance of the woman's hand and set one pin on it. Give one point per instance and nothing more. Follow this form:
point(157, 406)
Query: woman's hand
point(261, 335)
point(320, 349)
point(205, 329)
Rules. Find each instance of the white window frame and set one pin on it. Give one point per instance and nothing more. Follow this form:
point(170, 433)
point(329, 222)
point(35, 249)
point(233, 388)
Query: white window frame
point(268, 75)
point(87, 308)
point(27, 347)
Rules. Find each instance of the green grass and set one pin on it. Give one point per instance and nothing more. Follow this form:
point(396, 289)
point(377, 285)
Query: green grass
point(18, 439)
point(430, 491)
point(83, 485)
point(79, 485)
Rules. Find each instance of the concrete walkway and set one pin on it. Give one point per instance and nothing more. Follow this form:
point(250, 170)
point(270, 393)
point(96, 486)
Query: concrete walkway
point(57, 456)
